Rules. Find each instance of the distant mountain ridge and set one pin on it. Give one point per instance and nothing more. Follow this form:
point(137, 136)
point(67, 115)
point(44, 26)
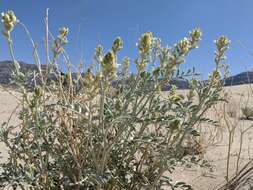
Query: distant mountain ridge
point(6, 70)
point(241, 78)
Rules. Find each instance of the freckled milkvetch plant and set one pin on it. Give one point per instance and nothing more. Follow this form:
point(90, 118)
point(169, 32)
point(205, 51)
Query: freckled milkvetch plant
point(105, 128)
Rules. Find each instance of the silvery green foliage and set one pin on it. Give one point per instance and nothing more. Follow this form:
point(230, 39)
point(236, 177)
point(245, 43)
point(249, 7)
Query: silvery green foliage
point(85, 133)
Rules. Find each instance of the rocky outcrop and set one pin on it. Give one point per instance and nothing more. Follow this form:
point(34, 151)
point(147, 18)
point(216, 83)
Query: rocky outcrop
point(5, 72)
point(6, 68)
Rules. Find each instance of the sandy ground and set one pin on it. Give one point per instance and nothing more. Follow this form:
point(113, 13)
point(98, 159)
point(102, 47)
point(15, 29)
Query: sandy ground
point(215, 152)
point(8, 112)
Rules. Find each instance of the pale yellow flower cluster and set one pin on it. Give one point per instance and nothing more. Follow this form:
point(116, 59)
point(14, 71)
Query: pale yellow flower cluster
point(109, 60)
point(222, 42)
point(145, 42)
point(195, 37)
point(9, 20)
point(183, 46)
point(92, 83)
point(109, 65)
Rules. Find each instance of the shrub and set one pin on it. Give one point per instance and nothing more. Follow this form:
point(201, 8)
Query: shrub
point(106, 128)
point(247, 112)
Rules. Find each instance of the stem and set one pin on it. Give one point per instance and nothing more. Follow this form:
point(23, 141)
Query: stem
point(239, 154)
point(228, 154)
point(46, 39)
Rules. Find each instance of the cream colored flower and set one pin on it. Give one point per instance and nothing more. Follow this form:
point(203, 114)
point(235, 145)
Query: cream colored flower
point(183, 46)
point(222, 42)
point(109, 65)
point(145, 42)
point(9, 21)
point(195, 37)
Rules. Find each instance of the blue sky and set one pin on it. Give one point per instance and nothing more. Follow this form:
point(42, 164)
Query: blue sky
point(99, 21)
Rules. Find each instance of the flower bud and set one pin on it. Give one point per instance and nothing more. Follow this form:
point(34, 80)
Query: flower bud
point(99, 51)
point(196, 34)
point(117, 44)
point(60, 41)
point(63, 32)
